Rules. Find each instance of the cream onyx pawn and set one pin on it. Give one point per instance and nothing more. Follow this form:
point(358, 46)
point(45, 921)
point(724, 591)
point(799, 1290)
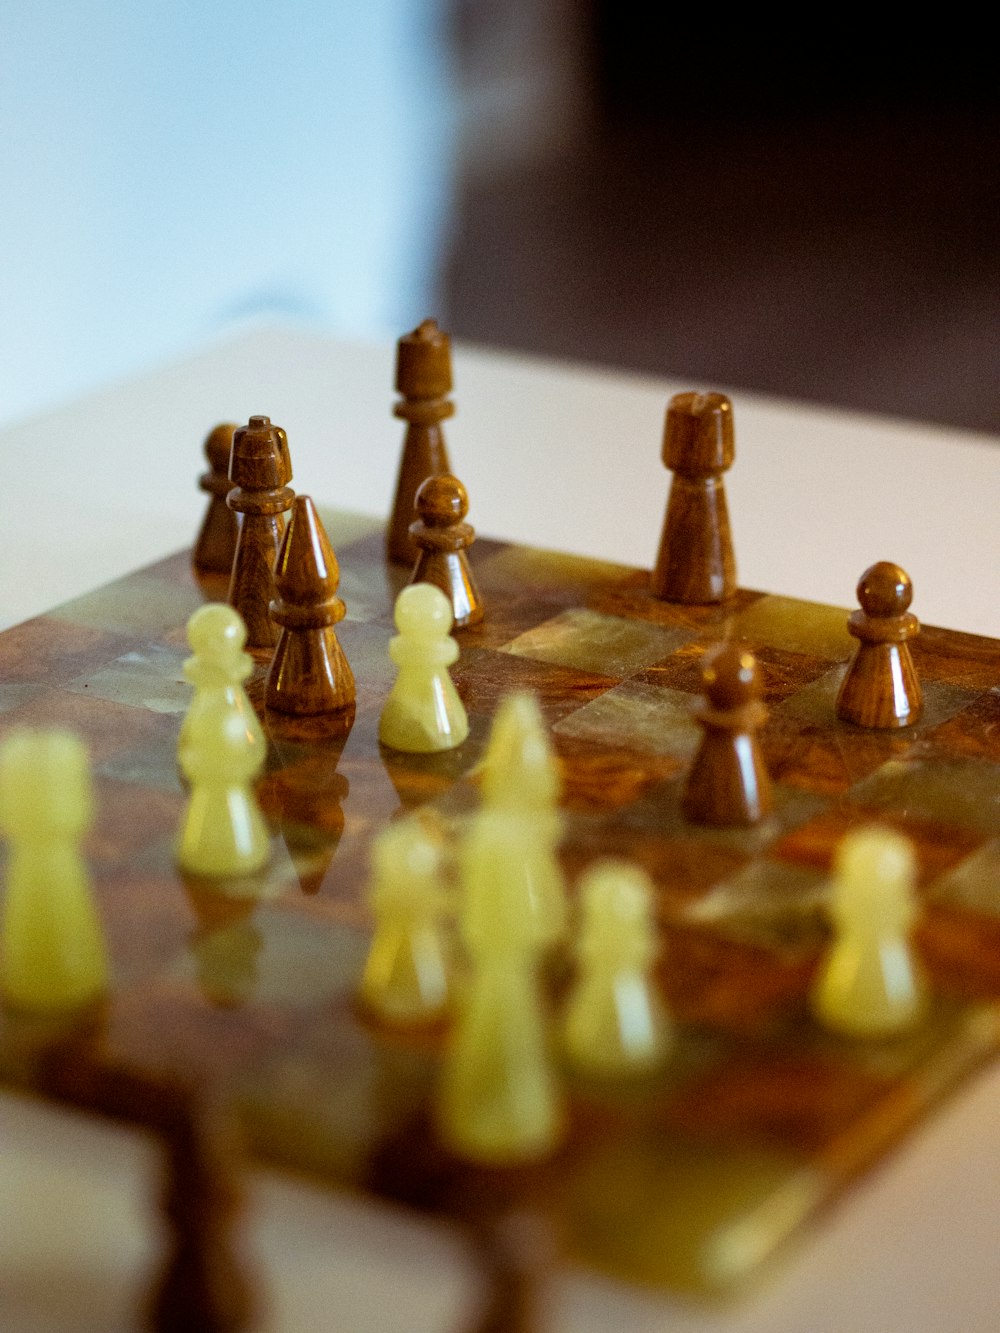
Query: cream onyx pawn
point(52, 951)
point(407, 978)
point(615, 1023)
point(423, 712)
point(223, 832)
point(217, 668)
point(870, 984)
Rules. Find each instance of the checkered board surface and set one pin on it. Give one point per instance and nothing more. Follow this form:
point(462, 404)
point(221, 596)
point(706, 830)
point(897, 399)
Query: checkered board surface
point(690, 1178)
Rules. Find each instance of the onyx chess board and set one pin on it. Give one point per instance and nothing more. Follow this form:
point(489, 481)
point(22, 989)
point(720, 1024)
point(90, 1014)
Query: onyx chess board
point(689, 1178)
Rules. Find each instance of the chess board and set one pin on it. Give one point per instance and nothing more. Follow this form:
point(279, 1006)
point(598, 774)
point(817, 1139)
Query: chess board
point(688, 1179)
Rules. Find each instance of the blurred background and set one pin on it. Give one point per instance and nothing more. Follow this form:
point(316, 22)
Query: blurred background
point(806, 212)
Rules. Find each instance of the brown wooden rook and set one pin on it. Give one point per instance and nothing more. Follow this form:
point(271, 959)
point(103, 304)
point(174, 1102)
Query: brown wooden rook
point(442, 538)
point(216, 544)
point(695, 563)
point(260, 471)
point(881, 688)
point(728, 783)
point(309, 673)
point(423, 377)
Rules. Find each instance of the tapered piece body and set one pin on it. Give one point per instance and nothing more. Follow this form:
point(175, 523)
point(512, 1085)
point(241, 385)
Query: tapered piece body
point(216, 544)
point(870, 983)
point(309, 673)
point(728, 783)
point(52, 951)
point(442, 537)
point(520, 775)
point(423, 712)
point(881, 688)
point(407, 979)
point(695, 562)
point(217, 669)
point(222, 832)
point(423, 378)
point(499, 1102)
point(203, 1287)
point(260, 471)
point(615, 1023)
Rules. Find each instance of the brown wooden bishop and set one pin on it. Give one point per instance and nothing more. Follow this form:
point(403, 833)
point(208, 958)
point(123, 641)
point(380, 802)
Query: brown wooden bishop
point(216, 544)
point(423, 377)
point(728, 783)
point(309, 673)
point(881, 688)
point(260, 471)
point(695, 563)
point(442, 538)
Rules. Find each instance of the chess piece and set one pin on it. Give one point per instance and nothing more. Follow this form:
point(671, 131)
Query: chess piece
point(217, 669)
point(203, 1285)
point(870, 984)
point(407, 979)
point(443, 537)
point(423, 712)
point(695, 563)
point(260, 471)
point(520, 775)
point(881, 688)
point(615, 1023)
point(728, 783)
point(216, 543)
point(222, 831)
point(498, 1101)
point(309, 673)
point(423, 377)
point(516, 1256)
point(52, 952)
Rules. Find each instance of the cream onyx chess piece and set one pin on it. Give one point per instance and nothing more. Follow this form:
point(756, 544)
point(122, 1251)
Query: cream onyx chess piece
point(52, 952)
point(423, 712)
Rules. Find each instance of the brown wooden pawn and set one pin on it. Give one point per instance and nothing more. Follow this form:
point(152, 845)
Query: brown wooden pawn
point(881, 688)
point(260, 471)
point(695, 563)
point(423, 377)
point(309, 673)
point(442, 538)
point(216, 544)
point(728, 783)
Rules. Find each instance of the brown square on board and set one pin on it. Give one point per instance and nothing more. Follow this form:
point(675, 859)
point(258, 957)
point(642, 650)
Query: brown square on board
point(973, 732)
point(108, 729)
point(782, 673)
point(484, 676)
point(631, 596)
point(46, 651)
point(969, 660)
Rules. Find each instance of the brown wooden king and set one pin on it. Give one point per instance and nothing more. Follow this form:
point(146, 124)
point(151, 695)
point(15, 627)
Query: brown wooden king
point(423, 377)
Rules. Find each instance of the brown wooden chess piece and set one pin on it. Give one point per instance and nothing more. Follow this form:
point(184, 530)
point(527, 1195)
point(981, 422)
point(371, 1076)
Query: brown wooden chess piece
point(442, 538)
point(695, 563)
point(728, 783)
point(260, 471)
point(309, 673)
point(203, 1286)
point(517, 1255)
point(216, 544)
point(881, 688)
point(423, 377)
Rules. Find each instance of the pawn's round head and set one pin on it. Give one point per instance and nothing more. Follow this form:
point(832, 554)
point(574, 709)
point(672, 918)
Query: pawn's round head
point(885, 590)
point(216, 632)
point(875, 870)
point(730, 676)
point(45, 786)
point(405, 852)
point(617, 895)
point(442, 501)
point(423, 609)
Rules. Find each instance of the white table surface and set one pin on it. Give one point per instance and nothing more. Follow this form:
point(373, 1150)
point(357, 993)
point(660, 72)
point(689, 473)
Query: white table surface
point(565, 457)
